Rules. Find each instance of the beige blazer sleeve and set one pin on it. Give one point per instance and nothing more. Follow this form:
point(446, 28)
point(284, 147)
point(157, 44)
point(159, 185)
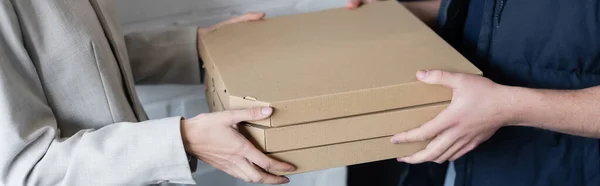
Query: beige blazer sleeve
point(165, 56)
point(32, 149)
point(118, 154)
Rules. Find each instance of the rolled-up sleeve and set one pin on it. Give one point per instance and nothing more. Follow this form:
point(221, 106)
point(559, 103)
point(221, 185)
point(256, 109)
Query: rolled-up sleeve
point(165, 56)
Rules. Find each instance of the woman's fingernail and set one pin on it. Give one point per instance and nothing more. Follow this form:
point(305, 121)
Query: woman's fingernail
point(422, 74)
point(266, 110)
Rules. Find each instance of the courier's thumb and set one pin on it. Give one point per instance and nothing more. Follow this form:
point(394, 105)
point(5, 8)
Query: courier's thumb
point(438, 77)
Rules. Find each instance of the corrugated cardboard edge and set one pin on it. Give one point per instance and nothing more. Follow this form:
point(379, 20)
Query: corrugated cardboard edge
point(212, 69)
point(212, 99)
point(255, 136)
point(366, 126)
point(260, 135)
point(357, 102)
point(344, 154)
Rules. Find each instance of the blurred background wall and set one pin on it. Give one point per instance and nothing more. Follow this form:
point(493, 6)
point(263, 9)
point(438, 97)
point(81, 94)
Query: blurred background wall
point(149, 14)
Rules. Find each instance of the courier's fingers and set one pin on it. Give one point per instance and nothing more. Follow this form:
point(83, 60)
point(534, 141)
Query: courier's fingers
point(427, 131)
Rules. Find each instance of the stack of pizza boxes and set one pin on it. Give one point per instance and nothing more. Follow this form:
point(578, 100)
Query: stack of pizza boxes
point(341, 82)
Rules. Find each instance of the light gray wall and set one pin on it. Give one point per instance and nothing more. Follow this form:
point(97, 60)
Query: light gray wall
point(138, 15)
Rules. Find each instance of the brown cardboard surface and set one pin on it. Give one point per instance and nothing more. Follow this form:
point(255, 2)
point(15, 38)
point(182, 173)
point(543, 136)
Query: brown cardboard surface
point(329, 64)
point(334, 155)
point(212, 99)
point(345, 154)
point(341, 130)
point(326, 132)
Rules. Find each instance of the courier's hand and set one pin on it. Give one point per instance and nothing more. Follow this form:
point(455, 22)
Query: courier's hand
point(478, 109)
point(240, 19)
point(214, 139)
point(352, 4)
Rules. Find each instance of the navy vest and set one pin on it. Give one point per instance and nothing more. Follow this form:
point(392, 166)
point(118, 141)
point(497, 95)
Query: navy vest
point(550, 44)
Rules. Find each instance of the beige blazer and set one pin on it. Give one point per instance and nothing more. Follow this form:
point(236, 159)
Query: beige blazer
point(69, 114)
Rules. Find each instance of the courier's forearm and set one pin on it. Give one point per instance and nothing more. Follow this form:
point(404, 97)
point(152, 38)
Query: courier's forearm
point(575, 112)
point(426, 10)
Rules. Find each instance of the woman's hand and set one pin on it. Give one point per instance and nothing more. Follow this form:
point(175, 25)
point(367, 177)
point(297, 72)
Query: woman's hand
point(214, 139)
